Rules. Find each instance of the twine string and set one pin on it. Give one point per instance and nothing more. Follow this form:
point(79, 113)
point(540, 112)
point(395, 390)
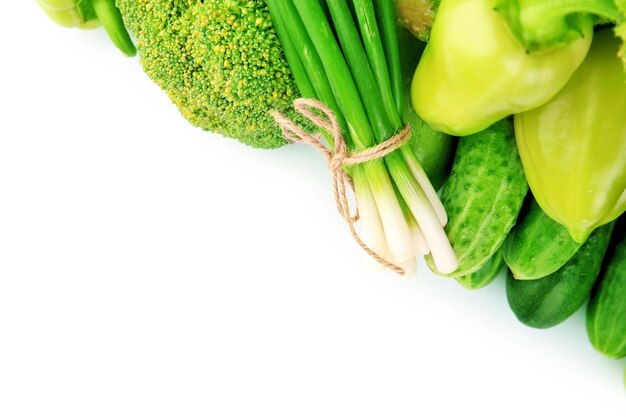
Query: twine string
point(338, 158)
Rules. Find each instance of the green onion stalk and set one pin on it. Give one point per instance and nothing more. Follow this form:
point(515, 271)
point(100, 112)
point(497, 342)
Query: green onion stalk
point(345, 54)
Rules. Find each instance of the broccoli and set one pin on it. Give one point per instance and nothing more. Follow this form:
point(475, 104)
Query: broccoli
point(220, 62)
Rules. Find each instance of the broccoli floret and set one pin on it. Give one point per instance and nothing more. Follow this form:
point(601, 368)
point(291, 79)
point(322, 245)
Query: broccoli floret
point(219, 61)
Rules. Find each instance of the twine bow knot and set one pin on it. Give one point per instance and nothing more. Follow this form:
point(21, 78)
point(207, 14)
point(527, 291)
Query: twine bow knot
point(338, 158)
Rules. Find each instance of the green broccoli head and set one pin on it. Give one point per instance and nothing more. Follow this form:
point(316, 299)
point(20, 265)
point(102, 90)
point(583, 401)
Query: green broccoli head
point(219, 61)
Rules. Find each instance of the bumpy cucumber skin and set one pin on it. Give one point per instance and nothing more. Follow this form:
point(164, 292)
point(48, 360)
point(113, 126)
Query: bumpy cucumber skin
point(548, 301)
point(606, 315)
point(538, 246)
point(483, 196)
point(485, 275)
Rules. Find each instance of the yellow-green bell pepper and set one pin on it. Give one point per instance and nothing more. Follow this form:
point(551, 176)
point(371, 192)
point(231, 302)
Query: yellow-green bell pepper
point(542, 25)
point(65, 13)
point(574, 148)
point(89, 14)
point(475, 72)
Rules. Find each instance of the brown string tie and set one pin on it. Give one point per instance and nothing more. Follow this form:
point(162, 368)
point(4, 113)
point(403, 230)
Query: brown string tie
point(338, 158)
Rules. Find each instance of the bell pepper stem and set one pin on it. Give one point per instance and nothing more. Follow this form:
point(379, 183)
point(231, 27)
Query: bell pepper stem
point(86, 11)
point(542, 25)
point(111, 19)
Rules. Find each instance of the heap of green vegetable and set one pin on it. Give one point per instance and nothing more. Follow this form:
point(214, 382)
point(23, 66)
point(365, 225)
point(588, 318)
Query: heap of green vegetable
point(535, 89)
point(544, 65)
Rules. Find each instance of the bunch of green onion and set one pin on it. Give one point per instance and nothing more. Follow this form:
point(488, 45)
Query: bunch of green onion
point(345, 54)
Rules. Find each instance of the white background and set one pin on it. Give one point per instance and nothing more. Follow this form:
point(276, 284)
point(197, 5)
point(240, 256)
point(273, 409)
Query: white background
point(148, 268)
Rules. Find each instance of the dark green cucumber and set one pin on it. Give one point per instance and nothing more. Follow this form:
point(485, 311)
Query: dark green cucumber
point(483, 196)
point(433, 149)
point(538, 246)
point(548, 301)
point(606, 315)
point(485, 275)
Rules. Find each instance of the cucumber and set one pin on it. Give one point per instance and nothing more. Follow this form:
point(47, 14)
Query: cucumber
point(549, 301)
point(483, 196)
point(485, 275)
point(433, 149)
point(538, 246)
point(606, 315)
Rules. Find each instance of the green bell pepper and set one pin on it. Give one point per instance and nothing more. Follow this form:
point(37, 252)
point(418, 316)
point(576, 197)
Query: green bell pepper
point(574, 148)
point(475, 72)
point(67, 14)
point(89, 14)
point(542, 25)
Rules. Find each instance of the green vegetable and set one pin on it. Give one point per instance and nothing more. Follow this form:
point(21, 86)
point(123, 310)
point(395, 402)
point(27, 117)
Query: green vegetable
point(475, 72)
point(339, 56)
point(548, 301)
point(485, 275)
point(87, 14)
point(220, 63)
point(70, 14)
point(434, 149)
point(573, 148)
point(542, 25)
point(606, 315)
point(483, 196)
point(537, 246)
